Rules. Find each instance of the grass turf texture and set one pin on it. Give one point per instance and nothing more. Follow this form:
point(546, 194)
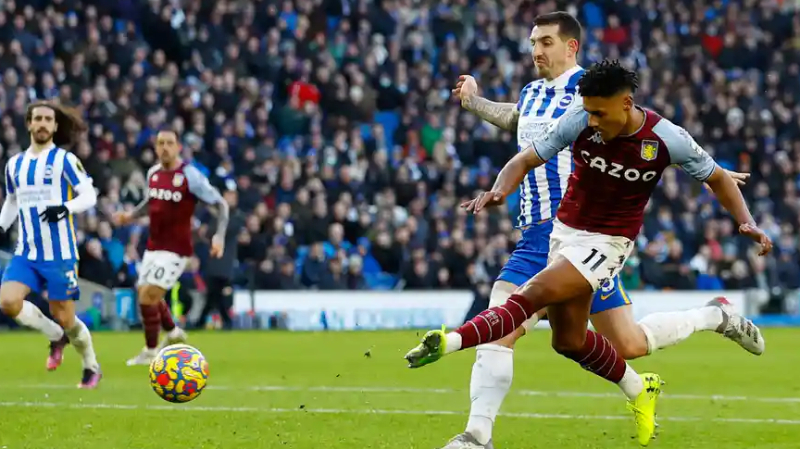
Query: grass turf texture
point(352, 389)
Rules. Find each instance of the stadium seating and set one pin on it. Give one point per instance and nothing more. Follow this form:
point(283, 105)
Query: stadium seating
point(342, 113)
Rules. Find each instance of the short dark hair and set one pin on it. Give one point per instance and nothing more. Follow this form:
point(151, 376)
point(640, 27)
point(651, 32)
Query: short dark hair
point(69, 121)
point(606, 79)
point(568, 25)
point(169, 129)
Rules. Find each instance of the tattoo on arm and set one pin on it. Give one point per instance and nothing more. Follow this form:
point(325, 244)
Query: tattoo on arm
point(502, 115)
point(223, 216)
point(140, 208)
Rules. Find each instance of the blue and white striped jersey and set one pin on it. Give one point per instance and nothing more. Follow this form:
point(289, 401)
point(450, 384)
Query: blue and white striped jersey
point(541, 103)
point(39, 181)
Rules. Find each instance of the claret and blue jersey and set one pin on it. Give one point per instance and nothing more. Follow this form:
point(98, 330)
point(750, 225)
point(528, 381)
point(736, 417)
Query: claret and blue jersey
point(541, 103)
point(46, 255)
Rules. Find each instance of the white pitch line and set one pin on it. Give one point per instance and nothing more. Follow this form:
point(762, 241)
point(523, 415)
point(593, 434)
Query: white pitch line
point(356, 389)
point(334, 411)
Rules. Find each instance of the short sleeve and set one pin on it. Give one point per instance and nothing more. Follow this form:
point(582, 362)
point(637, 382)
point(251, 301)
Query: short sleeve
point(74, 172)
point(200, 187)
point(560, 134)
point(684, 151)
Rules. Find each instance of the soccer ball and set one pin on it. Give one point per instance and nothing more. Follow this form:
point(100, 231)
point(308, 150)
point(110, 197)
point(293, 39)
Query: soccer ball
point(179, 373)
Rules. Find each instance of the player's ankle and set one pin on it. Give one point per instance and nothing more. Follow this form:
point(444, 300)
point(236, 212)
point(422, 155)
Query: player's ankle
point(480, 427)
point(453, 342)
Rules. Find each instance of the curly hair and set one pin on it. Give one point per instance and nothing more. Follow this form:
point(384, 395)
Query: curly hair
point(606, 79)
point(69, 121)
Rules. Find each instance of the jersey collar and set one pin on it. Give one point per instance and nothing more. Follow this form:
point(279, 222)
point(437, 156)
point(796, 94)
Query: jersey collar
point(561, 80)
point(29, 151)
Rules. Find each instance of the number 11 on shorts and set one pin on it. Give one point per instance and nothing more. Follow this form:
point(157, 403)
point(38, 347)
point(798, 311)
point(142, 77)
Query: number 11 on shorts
point(599, 260)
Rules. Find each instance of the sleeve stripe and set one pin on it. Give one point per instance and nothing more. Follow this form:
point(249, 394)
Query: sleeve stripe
point(70, 172)
point(9, 182)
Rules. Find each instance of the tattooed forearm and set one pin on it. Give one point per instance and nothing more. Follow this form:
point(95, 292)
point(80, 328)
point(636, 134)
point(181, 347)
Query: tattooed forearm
point(502, 115)
point(223, 216)
point(140, 208)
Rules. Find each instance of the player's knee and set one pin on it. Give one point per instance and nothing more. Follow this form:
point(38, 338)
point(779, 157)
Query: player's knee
point(150, 294)
point(11, 306)
point(568, 343)
point(630, 348)
point(537, 290)
point(11, 301)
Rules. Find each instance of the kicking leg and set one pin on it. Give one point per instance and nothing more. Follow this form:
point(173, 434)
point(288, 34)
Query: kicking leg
point(619, 327)
point(64, 312)
point(669, 328)
point(557, 283)
point(14, 305)
point(612, 316)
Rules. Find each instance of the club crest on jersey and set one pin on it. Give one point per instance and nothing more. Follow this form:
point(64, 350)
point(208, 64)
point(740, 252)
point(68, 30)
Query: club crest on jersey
point(649, 150)
point(177, 180)
point(48, 172)
point(566, 100)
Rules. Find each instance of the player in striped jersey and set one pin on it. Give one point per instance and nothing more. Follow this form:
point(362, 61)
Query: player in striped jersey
point(41, 183)
point(555, 45)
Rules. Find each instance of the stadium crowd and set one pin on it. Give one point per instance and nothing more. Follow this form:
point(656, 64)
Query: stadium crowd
point(328, 124)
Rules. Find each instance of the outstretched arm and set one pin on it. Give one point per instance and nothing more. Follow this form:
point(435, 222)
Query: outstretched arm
point(729, 195)
point(684, 151)
point(513, 173)
point(501, 115)
point(558, 136)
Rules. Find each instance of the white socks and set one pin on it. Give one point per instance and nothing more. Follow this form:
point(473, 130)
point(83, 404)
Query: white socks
point(81, 339)
point(452, 342)
point(30, 316)
point(491, 380)
point(631, 383)
point(668, 328)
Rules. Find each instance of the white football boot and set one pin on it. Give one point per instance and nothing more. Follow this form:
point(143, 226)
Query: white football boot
point(467, 441)
point(738, 328)
point(144, 358)
point(173, 337)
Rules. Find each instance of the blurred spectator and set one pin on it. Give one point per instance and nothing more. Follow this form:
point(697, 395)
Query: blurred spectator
point(220, 271)
point(332, 122)
point(95, 266)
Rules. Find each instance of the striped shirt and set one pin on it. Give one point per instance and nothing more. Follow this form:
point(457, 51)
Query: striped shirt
point(541, 103)
point(39, 181)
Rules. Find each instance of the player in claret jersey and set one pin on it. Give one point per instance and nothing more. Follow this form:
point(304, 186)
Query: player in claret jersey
point(555, 44)
point(620, 151)
point(174, 188)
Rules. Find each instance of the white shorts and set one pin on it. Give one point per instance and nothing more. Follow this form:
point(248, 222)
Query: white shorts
point(161, 268)
point(598, 257)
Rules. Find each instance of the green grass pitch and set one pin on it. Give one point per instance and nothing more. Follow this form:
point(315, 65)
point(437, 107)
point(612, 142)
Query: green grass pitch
point(352, 390)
